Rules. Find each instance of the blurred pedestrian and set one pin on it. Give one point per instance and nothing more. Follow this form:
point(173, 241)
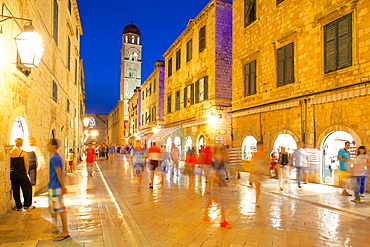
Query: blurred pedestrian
point(32, 161)
point(90, 159)
point(57, 189)
point(218, 189)
point(102, 151)
point(175, 156)
point(300, 161)
point(71, 158)
point(284, 167)
point(344, 157)
point(359, 172)
point(165, 162)
point(259, 169)
point(138, 155)
point(234, 162)
point(154, 155)
point(190, 162)
point(112, 152)
point(18, 176)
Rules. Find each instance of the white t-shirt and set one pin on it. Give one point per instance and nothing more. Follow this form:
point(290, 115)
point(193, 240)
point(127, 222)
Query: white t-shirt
point(359, 165)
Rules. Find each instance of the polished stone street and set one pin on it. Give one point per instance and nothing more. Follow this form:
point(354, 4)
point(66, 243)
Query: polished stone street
point(108, 210)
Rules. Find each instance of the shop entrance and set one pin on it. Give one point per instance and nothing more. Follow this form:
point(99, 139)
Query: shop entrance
point(19, 130)
point(331, 144)
point(249, 147)
point(287, 141)
point(168, 144)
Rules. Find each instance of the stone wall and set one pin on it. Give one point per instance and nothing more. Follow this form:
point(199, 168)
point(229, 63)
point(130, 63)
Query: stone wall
point(29, 95)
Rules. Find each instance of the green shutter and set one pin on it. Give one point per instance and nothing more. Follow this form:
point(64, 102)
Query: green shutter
point(246, 79)
point(197, 92)
point(280, 66)
point(289, 64)
point(330, 50)
point(205, 88)
point(252, 77)
point(185, 96)
point(345, 41)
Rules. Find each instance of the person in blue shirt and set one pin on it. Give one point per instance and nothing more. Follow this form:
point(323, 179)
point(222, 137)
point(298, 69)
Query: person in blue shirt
point(344, 157)
point(57, 189)
point(112, 152)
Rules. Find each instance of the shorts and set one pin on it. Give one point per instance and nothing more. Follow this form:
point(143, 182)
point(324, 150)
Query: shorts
point(56, 201)
point(344, 175)
point(153, 164)
point(70, 163)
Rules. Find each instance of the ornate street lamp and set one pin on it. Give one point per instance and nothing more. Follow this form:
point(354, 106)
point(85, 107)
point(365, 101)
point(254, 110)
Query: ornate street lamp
point(30, 47)
point(29, 44)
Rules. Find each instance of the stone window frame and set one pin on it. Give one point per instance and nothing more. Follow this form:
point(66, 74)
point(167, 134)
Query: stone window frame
point(250, 78)
point(169, 103)
point(70, 7)
point(54, 91)
point(284, 61)
point(279, 1)
point(178, 96)
point(68, 105)
point(334, 27)
point(55, 21)
point(169, 67)
point(178, 59)
point(202, 38)
point(250, 12)
point(189, 50)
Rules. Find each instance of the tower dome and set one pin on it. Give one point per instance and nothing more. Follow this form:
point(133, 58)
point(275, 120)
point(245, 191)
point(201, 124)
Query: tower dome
point(131, 28)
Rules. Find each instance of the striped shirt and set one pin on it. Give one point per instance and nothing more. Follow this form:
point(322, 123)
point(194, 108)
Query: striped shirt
point(235, 157)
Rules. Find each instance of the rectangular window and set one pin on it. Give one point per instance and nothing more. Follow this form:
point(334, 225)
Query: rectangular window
point(146, 117)
point(69, 55)
point(178, 59)
point(55, 21)
point(192, 94)
point(279, 1)
point(185, 97)
point(154, 84)
point(154, 114)
point(169, 67)
point(197, 92)
point(76, 71)
point(249, 12)
point(338, 44)
point(55, 91)
point(142, 96)
point(68, 105)
point(250, 78)
point(285, 65)
point(177, 100)
point(169, 104)
point(77, 35)
point(205, 88)
point(69, 6)
point(189, 50)
point(202, 38)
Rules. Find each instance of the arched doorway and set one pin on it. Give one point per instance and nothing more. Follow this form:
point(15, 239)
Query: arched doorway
point(201, 142)
point(19, 130)
point(168, 144)
point(188, 144)
point(287, 141)
point(249, 147)
point(330, 146)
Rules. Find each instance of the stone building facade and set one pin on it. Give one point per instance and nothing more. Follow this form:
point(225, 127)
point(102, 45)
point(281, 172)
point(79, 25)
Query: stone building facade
point(116, 124)
point(42, 102)
point(197, 91)
point(301, 71)
point(146, 107)
point(97, 130)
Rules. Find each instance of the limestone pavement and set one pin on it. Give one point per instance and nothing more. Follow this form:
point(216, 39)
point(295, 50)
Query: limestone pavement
point(108, 210)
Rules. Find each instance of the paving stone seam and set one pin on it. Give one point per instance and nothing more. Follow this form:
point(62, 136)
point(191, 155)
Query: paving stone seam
point(136, 231)
point(313, 202)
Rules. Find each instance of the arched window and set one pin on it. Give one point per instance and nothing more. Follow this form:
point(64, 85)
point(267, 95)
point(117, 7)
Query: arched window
point(133, 40)
point(138, 40)
point(135, 56)
point(201, 142)
point(126, 38)
point(19, 130)
point(130, 57)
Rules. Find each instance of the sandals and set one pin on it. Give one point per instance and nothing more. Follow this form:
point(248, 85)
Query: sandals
point(61, 238)
point(30, 207)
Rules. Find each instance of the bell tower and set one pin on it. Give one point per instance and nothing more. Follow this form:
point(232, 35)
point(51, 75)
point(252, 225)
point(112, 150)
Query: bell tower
point(131, 54)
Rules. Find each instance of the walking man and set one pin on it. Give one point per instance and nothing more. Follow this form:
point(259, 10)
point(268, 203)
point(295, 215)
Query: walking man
point(344, 157)
point(112, 152)
point(175, 156)
point(57, 189)
point(300, 159)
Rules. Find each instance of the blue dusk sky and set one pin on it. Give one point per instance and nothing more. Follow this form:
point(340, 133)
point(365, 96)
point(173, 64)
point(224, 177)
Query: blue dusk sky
point(160, 23)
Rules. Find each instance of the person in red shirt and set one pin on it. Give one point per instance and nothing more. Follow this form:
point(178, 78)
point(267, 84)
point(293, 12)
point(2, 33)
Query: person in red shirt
point(90, 159)
point(154, 155)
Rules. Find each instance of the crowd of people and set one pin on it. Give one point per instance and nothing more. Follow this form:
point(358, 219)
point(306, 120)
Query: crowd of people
point(219, 164)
